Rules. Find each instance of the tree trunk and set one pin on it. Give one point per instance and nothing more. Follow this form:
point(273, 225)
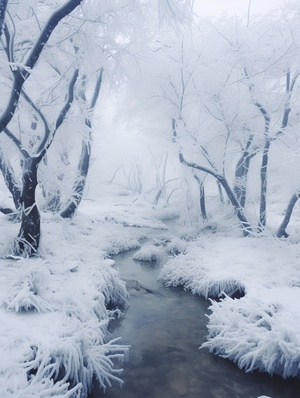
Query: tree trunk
point(79, 186)
point(263, 186)
point(221, 196)
point(201, 197)
point(85, 157)
point(28, 239)
point(241, 176)
point(282, 228)
point(10, 181)
point(241, 172)
point(3, 7)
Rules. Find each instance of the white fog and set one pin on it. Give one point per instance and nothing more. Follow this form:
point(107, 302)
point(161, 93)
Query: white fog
point(149, 157)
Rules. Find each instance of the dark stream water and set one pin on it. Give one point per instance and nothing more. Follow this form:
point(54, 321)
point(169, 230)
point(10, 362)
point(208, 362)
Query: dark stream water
point(165, 330)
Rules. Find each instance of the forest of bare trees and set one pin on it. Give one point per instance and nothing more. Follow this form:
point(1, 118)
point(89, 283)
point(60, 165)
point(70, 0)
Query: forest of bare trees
point(228, 91)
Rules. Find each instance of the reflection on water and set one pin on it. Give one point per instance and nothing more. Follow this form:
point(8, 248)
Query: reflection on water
point(165, 329)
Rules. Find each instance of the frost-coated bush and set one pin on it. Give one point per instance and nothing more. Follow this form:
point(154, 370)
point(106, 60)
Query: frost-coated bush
point(255, 335)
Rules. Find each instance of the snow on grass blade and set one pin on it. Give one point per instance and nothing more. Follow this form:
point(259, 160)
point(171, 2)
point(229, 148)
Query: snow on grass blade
point(260, 331)
point(148, 253)
point(255, 335)
point(185, 270)
point(53, 334)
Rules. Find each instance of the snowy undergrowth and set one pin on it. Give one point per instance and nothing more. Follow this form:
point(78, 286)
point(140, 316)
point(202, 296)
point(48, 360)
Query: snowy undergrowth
point(148, 253)
point(54, 311)
point(54, 327)
point(260, 330)
point(258, 333)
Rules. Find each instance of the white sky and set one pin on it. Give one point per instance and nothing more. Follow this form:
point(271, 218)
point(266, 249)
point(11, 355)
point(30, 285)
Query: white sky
point(235, 7)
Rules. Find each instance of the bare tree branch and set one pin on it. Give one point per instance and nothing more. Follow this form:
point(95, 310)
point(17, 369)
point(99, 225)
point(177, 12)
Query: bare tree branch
point(3, 7)
point(70, 98)
point(235, 203)
point(22, 73)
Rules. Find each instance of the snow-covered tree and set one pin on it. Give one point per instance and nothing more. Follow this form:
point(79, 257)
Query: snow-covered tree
point(226, 90)
point(53, 58)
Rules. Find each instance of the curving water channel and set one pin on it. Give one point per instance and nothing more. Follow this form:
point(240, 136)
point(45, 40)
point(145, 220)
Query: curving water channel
point(165, 328)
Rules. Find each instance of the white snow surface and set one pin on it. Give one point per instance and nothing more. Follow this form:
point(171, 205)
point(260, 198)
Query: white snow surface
point(54, 314)
point(53, 309)
point(262, 329)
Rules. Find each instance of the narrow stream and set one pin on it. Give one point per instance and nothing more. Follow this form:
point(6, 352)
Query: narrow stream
point(165, 328)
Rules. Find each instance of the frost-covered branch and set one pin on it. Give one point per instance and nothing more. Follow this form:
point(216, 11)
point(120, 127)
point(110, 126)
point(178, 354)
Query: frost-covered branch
point(3, 7)
point(21, 73)
point(43, 147)
point(239, 211)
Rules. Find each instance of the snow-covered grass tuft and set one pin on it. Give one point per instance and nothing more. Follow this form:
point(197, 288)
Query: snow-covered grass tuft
point(185, 270)
point(176, 246)
point(148, 253)
point(118, 244)
point(256, 335)
point(55, 320)
point(26, 287)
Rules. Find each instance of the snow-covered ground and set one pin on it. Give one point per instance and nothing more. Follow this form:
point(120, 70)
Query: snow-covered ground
point(53, 309)
point(260, 330)
point(54, 314)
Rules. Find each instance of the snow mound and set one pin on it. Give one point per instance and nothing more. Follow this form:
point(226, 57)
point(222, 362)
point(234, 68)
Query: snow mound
point(256, 334)
point(148, 253)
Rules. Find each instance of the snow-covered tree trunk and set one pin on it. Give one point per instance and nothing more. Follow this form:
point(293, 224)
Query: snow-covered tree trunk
point(241, 173)
point(79, 185)
point(201, 197)
point(28, 239)
point(85, 157)
point(282, 228)
point(10, 180)
point(263, 186)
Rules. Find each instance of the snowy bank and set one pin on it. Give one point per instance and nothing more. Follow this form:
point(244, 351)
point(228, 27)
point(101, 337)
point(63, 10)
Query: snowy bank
point(260, 330)
point(54, 311)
